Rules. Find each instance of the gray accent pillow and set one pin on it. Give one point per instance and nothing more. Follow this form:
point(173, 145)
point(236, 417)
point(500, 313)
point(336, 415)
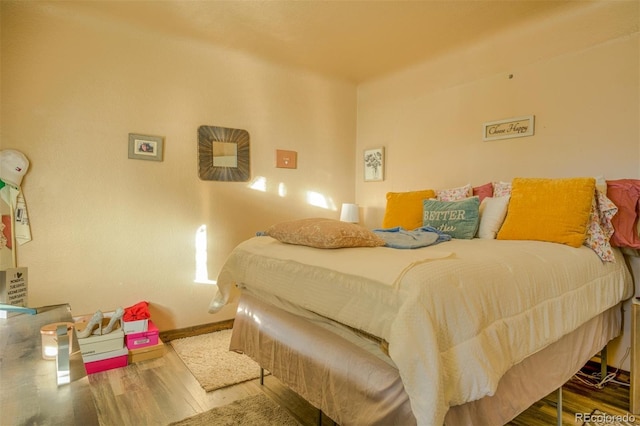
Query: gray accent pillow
point(459, 219)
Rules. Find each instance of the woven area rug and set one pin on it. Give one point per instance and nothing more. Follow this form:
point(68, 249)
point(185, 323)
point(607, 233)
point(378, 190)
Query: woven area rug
point(209, 359)
point(252, 411)
point(600, 418)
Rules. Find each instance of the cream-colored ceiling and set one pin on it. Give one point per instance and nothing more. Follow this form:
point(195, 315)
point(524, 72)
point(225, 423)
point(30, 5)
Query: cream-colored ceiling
point(354, 40)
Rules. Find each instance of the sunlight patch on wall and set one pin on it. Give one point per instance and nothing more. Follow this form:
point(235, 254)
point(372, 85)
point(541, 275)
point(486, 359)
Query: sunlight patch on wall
point(202, 272)
point(259, 183)
point(320, 200)
point(282, 189)
point(313, 198)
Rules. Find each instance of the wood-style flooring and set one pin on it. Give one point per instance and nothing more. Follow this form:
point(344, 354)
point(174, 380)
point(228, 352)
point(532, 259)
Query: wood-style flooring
point(162, 390)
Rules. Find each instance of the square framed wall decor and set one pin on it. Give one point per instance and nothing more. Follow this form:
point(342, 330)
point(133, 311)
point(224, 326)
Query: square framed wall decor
point(223, 154)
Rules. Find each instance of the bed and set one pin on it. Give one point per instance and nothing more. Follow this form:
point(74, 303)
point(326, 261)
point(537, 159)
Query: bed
point(460, 331)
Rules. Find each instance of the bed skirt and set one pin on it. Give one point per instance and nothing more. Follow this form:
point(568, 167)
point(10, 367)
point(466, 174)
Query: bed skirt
point(352, 381)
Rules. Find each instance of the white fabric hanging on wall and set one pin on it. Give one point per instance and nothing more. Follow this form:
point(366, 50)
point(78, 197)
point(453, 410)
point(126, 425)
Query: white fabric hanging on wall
point(15, 198)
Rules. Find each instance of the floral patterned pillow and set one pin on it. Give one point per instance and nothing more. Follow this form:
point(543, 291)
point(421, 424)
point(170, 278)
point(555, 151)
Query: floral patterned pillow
point(600, 228)
point(323, 233)
point(501, 189)
point(454, 194)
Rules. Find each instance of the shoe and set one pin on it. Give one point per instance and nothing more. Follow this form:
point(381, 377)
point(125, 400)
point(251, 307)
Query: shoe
point(96, 320)
point(115, 318)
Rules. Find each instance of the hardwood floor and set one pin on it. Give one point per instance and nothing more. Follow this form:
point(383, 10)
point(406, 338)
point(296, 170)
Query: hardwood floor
point(578, 398)
point(162, 390)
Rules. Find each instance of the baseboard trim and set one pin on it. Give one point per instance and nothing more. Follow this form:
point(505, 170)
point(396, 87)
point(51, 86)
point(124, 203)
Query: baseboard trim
point(169, 335)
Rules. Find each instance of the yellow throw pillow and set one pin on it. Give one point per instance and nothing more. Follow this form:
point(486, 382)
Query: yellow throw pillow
point(405, 209)
point(554, 210)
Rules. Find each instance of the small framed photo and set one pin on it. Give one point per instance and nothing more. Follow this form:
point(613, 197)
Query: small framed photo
point(374, 164)
point(144, 147)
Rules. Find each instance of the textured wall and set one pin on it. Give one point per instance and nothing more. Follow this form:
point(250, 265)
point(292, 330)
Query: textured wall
point(110, 231)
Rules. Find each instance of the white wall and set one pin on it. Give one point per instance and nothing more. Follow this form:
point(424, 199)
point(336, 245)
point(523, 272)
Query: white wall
point(577, 73)
point(110, 231)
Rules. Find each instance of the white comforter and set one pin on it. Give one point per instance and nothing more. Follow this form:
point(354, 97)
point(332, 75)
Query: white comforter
point(456, 315)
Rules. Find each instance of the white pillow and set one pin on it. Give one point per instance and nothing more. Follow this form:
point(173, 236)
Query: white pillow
point(493, 210)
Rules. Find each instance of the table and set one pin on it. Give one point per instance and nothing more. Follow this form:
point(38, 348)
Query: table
point(29, 393)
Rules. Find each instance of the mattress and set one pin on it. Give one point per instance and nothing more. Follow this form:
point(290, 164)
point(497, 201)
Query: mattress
point(354, 383)
point(460, 313)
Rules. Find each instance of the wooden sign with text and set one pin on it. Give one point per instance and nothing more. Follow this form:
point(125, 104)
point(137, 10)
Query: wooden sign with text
point(510, 128)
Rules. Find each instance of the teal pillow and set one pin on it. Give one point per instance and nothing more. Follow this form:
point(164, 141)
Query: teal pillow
point(459, 219)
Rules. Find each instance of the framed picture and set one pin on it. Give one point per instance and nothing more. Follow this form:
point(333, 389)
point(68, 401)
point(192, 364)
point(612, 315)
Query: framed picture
point(223, 154)
point(374, 164)
point(144, 147)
